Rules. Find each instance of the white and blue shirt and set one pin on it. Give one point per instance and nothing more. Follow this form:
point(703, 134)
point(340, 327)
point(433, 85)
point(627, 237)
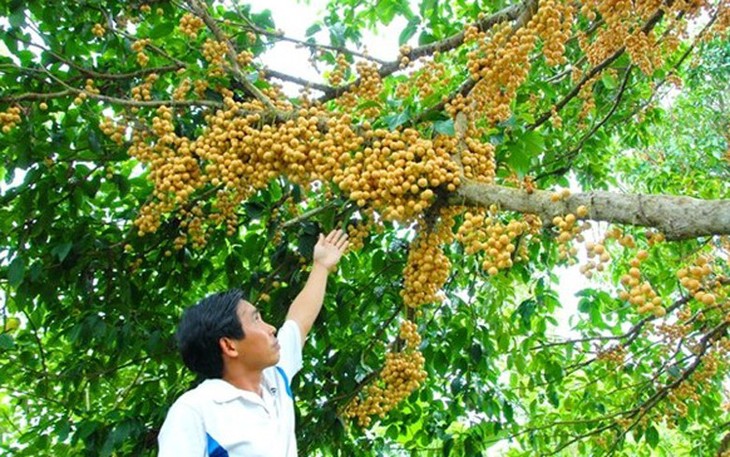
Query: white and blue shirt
point(217, 419)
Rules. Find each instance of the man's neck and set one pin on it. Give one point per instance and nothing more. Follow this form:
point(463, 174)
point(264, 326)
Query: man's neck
point(249, 380)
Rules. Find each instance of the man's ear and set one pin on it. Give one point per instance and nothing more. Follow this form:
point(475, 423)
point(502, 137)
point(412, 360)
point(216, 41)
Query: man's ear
point(228, 347)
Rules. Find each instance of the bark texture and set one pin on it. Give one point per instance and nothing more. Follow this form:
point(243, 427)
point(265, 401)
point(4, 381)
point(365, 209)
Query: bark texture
point(677, 217)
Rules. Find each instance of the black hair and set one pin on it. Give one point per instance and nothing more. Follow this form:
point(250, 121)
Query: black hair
point(201, 328)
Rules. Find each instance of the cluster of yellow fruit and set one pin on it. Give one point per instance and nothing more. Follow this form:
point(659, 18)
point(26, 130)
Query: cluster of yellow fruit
point(182, 90)
point(10, 118)
point(555, 119)
point(570, 228)
point(425, 80)
point(586, 96)
point(673, 332)
point(695, 277)
point(225, 208)
point(482, 232)
point(396, 174)
point(358, 232)
point(640, 47)
point(427, 267)
point(628, 241)
point(614, 355)
point(640, 293)
point(89, 88)
point(145, 8)
point(598, 258)
point(139, 47)
point(500, 65)
point(98, 30)
point(689, 389)
point(244, 58)
point(201, 85)
point(237, 152)
point(143, 92)
point(214, 53)
point(404, 52)
point(654, 237)
point(477, 160)
point(337, 75)
point(113, 130)
point(368, 88)
point(623, 21)
point(553, 23)
point(402, 374)
point(190, 25)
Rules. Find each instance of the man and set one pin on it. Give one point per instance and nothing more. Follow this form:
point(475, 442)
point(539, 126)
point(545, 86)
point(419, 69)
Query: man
point(245, 406)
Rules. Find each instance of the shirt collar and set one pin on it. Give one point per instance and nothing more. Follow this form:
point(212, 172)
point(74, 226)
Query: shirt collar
point(221, 391)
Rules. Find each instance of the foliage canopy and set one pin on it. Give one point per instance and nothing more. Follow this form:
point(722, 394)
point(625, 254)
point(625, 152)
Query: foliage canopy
point(149, 158)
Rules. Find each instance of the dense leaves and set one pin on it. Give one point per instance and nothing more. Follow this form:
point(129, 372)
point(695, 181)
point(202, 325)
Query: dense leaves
point(88, 364)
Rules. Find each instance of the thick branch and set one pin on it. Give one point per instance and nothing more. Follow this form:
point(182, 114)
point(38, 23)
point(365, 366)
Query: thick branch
point(676, 217)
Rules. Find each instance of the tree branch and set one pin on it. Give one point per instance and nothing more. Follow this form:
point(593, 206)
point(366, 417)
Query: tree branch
point(676, 217)
point(301, 81)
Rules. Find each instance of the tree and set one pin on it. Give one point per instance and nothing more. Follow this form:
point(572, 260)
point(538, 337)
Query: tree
point(149, 159)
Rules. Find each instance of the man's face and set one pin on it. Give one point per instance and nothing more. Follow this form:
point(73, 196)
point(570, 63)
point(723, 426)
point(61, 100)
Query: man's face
point(259, 347)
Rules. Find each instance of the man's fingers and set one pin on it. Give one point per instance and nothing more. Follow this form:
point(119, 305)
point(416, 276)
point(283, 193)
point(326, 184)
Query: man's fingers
point(344, 245)
point(333, 235)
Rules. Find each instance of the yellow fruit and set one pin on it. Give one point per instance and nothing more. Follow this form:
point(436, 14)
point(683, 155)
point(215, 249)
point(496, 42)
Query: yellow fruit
point(12, 324)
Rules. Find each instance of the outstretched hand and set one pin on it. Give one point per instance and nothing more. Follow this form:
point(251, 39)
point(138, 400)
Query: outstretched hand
point(329, 249)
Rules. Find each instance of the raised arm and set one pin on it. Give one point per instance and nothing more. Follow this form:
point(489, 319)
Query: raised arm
point(306, 306)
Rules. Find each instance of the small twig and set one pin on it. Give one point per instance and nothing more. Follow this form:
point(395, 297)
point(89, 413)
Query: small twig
point(306, 215)
point(570, 155)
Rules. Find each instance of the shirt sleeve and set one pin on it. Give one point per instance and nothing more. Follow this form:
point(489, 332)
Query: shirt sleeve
point(182, 433)
point(290, 340)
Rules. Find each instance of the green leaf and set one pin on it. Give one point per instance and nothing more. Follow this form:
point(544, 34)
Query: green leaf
point(396, 120)
point(16, 271)
point(385, 11)
point(447, 446)
point(425, 38)
point(652, 436)
point(62, 250)
point(17, 18)
point(312, 30)
point(6, 342)
point(445, 127)
point(608, 80)
point(162, 30)
point(407, 33)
